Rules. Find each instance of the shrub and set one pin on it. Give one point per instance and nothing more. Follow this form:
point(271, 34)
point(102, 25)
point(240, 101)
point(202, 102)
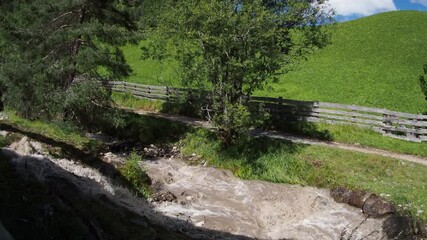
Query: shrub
point(138, 179)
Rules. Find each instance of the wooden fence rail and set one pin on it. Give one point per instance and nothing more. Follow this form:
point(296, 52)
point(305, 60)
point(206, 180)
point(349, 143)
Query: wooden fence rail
point(405, 126)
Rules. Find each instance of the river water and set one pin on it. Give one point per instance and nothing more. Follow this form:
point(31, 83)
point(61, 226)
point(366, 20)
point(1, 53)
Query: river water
point(211, 203)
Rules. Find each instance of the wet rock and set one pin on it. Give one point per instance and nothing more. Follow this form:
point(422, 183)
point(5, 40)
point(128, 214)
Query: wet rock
point(110, 157)
point(3, 133)
point(23, 147)
point(163, 197)
point(375, 206)
point(3, 116)
point(153, 151)
point(37, 147)
point(358, 198)
point(340, 194)
point(398, 227)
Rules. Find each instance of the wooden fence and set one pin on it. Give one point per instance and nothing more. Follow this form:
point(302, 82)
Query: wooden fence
point(405, 126)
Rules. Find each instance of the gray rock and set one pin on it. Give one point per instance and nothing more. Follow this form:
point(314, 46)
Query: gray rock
point(23, 147)
point(163, 197)
point(375, 206)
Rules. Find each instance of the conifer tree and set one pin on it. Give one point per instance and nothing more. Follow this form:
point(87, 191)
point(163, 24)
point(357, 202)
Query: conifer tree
point(57, 55)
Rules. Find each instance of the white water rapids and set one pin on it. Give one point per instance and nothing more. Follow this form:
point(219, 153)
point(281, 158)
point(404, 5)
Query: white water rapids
point(212, 203)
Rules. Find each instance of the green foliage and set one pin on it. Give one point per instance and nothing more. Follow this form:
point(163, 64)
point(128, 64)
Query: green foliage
point(285, 162)
point(235, 47)
point(373, 61)
point(136, 175)
point(233, 122)
point(66, 132)
point(57, 53)
point(423, 81)
point(3, 142)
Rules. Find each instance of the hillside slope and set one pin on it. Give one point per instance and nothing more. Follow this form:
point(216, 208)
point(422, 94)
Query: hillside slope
point(373, 61)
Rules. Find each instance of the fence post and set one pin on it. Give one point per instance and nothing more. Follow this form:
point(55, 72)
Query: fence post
point(386, 122)
point(353, 116)
point(414, 127)
point(167, 93)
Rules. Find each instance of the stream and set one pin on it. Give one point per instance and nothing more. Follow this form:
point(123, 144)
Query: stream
point(202, 202)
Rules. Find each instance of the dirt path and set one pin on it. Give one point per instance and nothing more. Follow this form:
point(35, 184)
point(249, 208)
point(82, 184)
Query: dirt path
point(296, 139)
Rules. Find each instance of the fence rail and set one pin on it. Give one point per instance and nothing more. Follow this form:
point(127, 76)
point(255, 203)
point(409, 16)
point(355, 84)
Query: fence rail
point(405, 126)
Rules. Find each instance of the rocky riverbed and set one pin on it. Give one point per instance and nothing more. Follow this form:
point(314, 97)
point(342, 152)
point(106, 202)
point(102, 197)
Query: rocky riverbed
point(200, 202)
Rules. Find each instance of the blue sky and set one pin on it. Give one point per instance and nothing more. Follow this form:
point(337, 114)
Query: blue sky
point(352, 9)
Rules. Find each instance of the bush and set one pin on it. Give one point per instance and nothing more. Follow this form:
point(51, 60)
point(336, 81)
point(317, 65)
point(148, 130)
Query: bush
point(137, 177)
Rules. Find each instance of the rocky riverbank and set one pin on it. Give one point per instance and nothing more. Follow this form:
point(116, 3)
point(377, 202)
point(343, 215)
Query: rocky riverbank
point(193, 201)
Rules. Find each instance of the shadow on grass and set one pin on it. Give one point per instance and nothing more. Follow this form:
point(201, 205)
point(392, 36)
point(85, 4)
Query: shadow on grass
point(301, 128)
point(145, 129)
point(181, 108)
point(250, 157)
point(284, 115)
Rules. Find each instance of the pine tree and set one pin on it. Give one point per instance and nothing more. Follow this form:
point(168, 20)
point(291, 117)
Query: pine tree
point(58, 54)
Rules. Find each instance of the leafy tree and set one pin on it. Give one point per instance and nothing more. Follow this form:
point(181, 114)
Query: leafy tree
point(57, 55)
point(234, 47)
point(423, 81)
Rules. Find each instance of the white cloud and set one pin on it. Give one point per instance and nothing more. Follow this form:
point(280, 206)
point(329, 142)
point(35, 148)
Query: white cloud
point(422, 2)
point(363, 7)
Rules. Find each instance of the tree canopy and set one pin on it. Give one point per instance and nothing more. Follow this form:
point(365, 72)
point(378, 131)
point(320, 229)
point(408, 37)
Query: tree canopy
point(233, 47)
point(59, 52)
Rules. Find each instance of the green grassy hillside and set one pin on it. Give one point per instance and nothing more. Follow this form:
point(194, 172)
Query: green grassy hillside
point(373, 61)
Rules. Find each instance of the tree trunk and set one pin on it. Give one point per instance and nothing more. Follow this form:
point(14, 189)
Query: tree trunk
point(75, 51)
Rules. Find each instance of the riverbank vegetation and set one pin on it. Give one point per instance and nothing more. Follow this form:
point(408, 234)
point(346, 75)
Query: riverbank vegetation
point(284, 162)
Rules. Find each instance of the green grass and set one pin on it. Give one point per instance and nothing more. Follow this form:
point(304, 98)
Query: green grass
point(339, 133)
point(369, 138)
point(61, 131)
point(283, 162)
point(355, 135)
point(373, 61)
point(129, 101)
point(150, 71)
point(136, 175)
